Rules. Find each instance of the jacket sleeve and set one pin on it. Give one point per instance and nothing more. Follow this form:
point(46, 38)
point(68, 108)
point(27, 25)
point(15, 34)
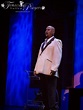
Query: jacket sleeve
point(38, 57)
point(57, 55)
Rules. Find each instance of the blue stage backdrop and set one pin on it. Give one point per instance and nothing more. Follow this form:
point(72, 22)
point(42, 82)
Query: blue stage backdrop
point(78, 58)
point(19, 57)
point(78, 64)
point(78, 67)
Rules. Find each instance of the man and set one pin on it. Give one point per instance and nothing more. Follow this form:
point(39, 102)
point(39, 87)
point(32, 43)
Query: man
point(48, 61)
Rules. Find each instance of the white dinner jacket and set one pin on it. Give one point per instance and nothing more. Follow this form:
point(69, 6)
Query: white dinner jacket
point(49, 58)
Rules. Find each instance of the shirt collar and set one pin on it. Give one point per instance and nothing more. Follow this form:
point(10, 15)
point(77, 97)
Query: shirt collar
point(49, 39)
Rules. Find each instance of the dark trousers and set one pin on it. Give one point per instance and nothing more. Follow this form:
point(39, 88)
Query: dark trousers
point(48, 89)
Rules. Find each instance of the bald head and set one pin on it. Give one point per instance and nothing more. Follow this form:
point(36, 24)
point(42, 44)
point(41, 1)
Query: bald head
point(50, 31)
point(52, 28)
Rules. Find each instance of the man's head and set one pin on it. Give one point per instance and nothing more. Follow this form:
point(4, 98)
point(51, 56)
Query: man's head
point(50, 31)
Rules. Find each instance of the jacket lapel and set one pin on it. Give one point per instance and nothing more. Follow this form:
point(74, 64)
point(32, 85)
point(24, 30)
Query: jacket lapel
point(46, 45)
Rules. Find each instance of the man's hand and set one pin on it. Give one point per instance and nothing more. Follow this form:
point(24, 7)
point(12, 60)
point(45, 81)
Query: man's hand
point(52, 73)
point(34, 73)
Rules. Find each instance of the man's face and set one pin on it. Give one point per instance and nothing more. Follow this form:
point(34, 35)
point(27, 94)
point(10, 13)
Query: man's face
point(49, 32)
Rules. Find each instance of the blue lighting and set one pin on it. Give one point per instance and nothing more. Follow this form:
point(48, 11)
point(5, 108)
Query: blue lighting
point(64, 99)
point(79, 39)
point(78, 64)
point(19, 58)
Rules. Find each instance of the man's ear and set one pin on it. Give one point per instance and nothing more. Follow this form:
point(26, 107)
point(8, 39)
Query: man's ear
point(53, 31)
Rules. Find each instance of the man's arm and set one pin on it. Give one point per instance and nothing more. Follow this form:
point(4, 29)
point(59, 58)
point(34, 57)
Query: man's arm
point(57, 55)
point(37, 59)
